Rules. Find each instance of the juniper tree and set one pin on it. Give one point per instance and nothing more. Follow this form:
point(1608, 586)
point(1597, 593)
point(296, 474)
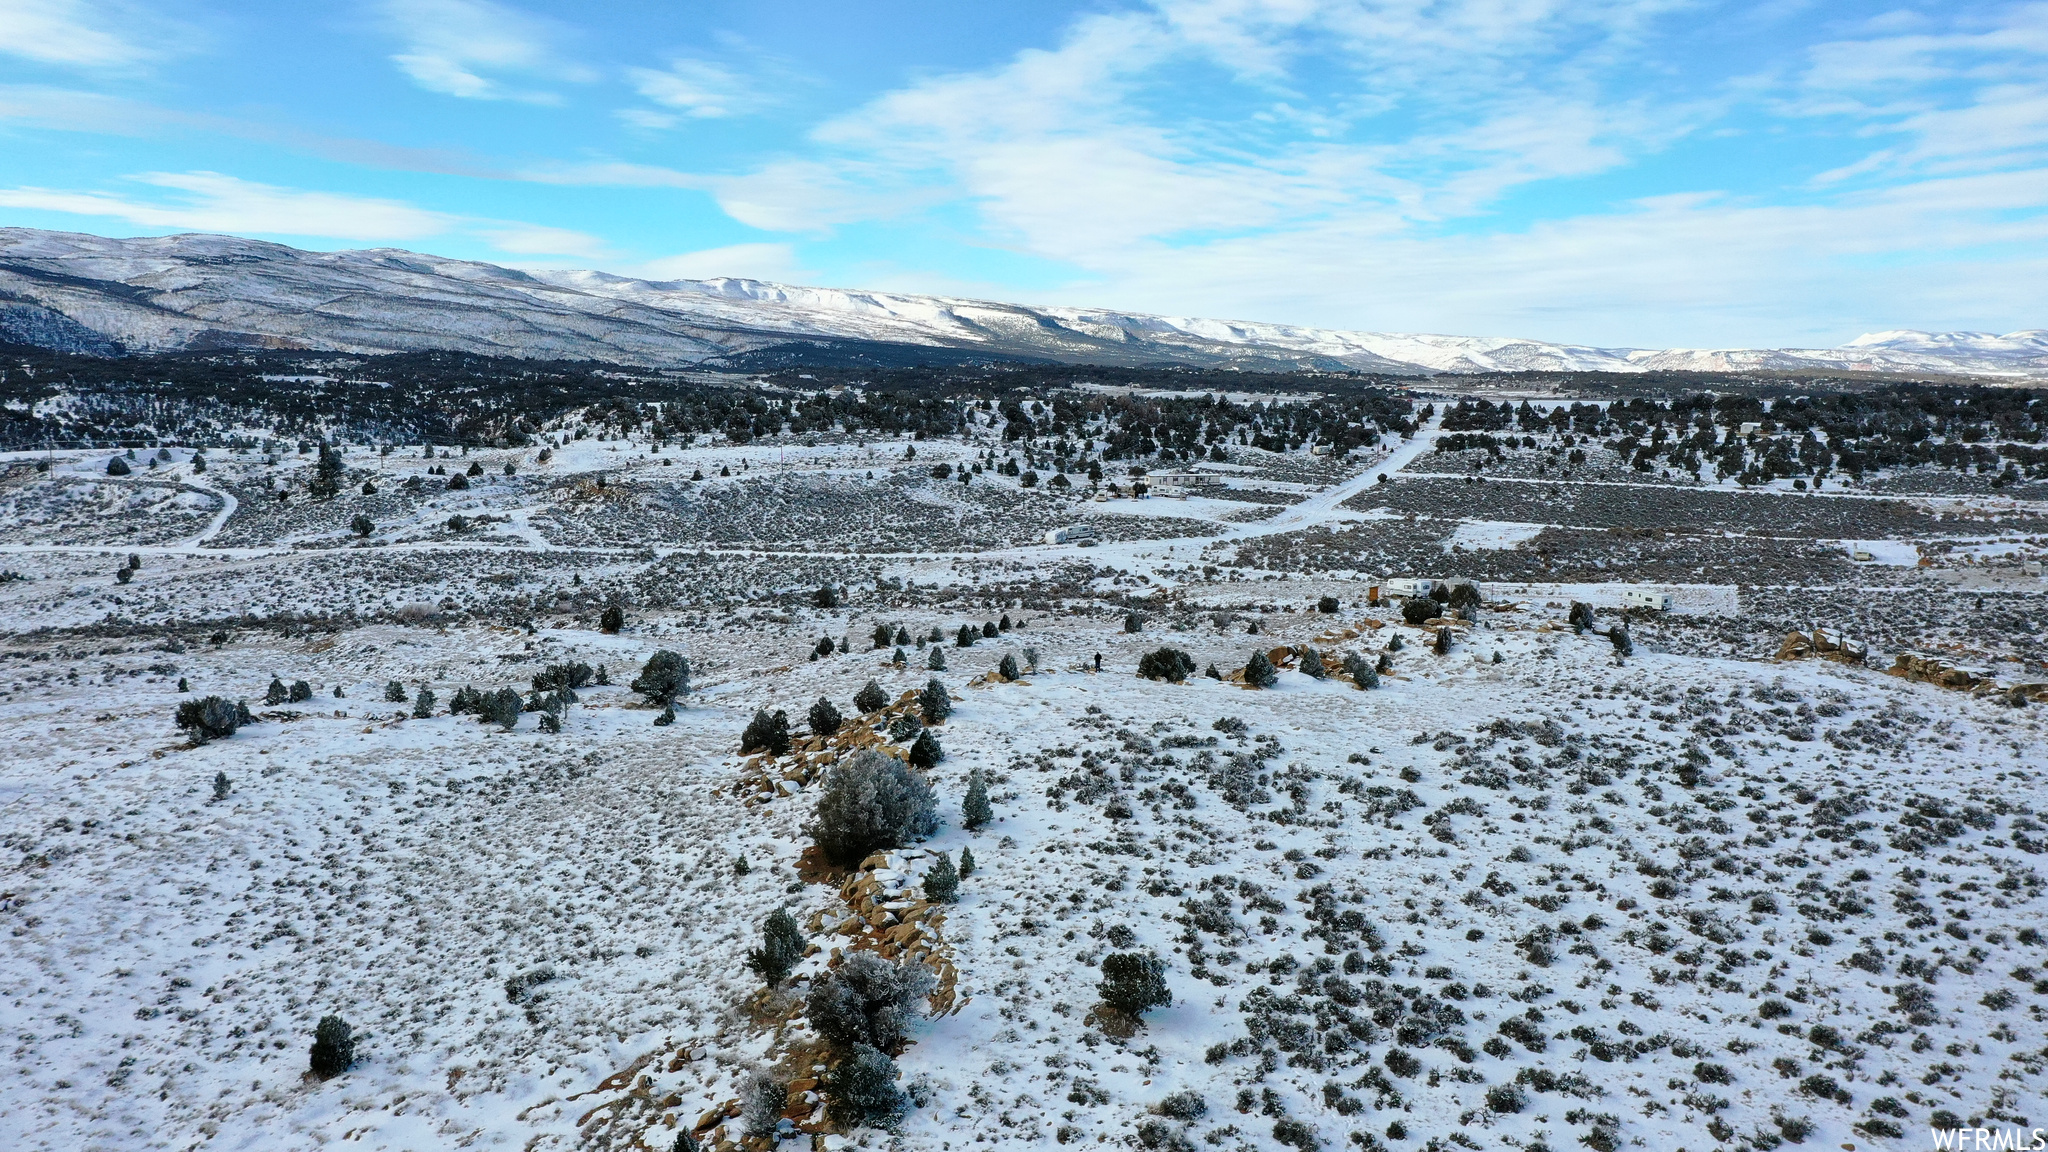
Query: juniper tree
point(925, 751)
point(883, 635)
point(277, 693)
point(1327, 605)
point(334, 1047)
point(501, 708)
point(394, 692)
point(870, 801)
point(975, 810)
point(824, 718)
point(871, 698)
point(1259, 671)
point(1361, 671)
point(1395, 643)
point(766, 733)
point(862, 1090)
point(966, 862)
point(942, 881)
point(613, 619)
point(964, 638)
point(867, 1001)
point(933, 702)
point(988, 630)
point(899, 659)
point(221, 786)
point(301, 692)
point(1133, 982)
point(1312, 665)
point(937, 662)
point(762, 1100)
point(824, 646)
point(1008, 669)
point(211, 718)
point(1442, 645)
point(665, 676)
point(782, 946)
point(1418, 610)
point(551, 723)
point(1166, 664)
point(1134, 622)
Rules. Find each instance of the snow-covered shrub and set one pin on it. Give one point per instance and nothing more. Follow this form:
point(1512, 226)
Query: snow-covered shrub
point(211, 718)
point(870, 801)
point(1362, 671)
point(766, 733)
point(394, 693)
point(1259, 671)
point(871, 698)
point(925, 751)
point(937, 662)
point(824, 718)
point(934, 703)
point(1417, 609)
point(612, 620)
point(334, 1047)
point(1184, 1105)
point(1312, 664)
point(1008, 669)
point(1133, 982)
point(423, 707)
point(301, 692)
point(867, 1001)
point(1166, 664)
point(277, 693)
point(762, 1099)
point(665, 676)
point(975, 810)
point(863, 1091)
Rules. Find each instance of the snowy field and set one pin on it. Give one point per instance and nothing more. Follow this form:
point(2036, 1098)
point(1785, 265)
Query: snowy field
point(1525, 893)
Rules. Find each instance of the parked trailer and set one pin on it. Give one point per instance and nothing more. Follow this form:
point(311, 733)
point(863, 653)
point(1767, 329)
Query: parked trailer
point(1645, 598)
point(1409, 586)
point(1071, 534)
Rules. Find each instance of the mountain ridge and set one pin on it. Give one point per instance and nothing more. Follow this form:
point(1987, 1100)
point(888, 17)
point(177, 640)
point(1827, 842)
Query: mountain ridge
point(198, 291)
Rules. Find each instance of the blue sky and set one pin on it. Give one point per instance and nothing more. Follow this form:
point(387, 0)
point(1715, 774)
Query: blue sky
point(1654, 173)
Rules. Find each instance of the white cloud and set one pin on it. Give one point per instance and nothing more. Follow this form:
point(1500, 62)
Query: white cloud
point(696, 88)
point(541, 240)
point(211, 202)
point(75, 33)
point(777, 262)
point(464, 47)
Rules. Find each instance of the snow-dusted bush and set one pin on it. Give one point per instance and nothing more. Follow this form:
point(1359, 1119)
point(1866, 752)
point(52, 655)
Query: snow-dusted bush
point(277, 693)
point(1008, 669)
point(501, 708)
point(1418, 609)
point(301, 692)
point(211, 718)
point(766, 733)
point(1312, 665)
point(934, 703)
point(761, 1102)
point(925, 751)
point(824, 718)
point(867, 1001)
point(665, 676)
point(613, 619)
point(394, 693)
point(1362, 671)
point(975, 810)
point(1133, 982)
point(870, 801)
point(863, 1090)
point(1259, 671)
point(942, 881)
point(782, 945)
point(1166, 664)
point(871, 698)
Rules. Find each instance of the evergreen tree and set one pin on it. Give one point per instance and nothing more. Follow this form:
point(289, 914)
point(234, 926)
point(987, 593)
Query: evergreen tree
point(394, 692)
point(1259, 672)
point(1312, 664)
point(1327, 604)
point(1396, 643)
point(211, 718)
point(899, 659)
point(502, 708)
point(1442, 645)
point(301, 692)
point(1008, 669)
point(423, 707)
point(870, 698)
point(942, 881)
point(782, 947)
point(1166, 664)
point(362, 525)
point(1133, 982)
point(334, 1047)
point(862, 1088)
point(1134, 622)
point(550, 723)
point(762, 1099)
point(933, 702)
point(826, 597)
point(883, 634)
point(966, 862)
point(766, 733)
point(118, 467)
point(964, 638)
point(902, 635)
point(825, 719)
point(868, 802)
point(221, 786)
point(665, 676)
point(988, 630)
point(277, 693)
point(1361, 671)
point(975, 810)
point(613, 620)
point(937, 662)
point(925, 752)
point(823, 647)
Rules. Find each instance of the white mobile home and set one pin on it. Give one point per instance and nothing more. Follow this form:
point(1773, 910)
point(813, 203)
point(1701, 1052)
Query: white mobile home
point(1071, 534)
point(1645, 598)
point(1408, 586)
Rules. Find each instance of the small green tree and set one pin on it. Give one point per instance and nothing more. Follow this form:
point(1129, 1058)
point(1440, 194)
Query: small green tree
point(825, 719)
point(613, 619)
point(334, 1047)
point(925, 751)
point(933, 702)
point(975, 810)
point(883, 635)
point(423, 707)
point(221, 786)
point(899, 659)
point(942, 881)
point(665, 676)
point(394, 692)
point(301, 692)
point(862, 1089)
point(362, 525)
point(826, 597)
point(965, 637)
point(1008, 669)
point(1133, 982)
point(782, 946)
point(766, 733)
point(502, 708)
point(870, 698)
point(1166, 664)
point(277, 693)
point(966, 862)
point(1259, 671)
point(937, 662)
point(1312, 665)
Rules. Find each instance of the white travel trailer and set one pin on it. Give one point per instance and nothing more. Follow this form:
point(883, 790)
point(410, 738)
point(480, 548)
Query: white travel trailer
point(1408, 586)
point(1071, 534)
point(1645, 598)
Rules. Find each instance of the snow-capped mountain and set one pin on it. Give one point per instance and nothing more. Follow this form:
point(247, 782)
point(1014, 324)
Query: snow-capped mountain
point(90, 293)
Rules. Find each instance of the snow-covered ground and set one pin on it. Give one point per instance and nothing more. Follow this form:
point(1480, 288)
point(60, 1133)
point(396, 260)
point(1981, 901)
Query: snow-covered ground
point(1523, 894)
